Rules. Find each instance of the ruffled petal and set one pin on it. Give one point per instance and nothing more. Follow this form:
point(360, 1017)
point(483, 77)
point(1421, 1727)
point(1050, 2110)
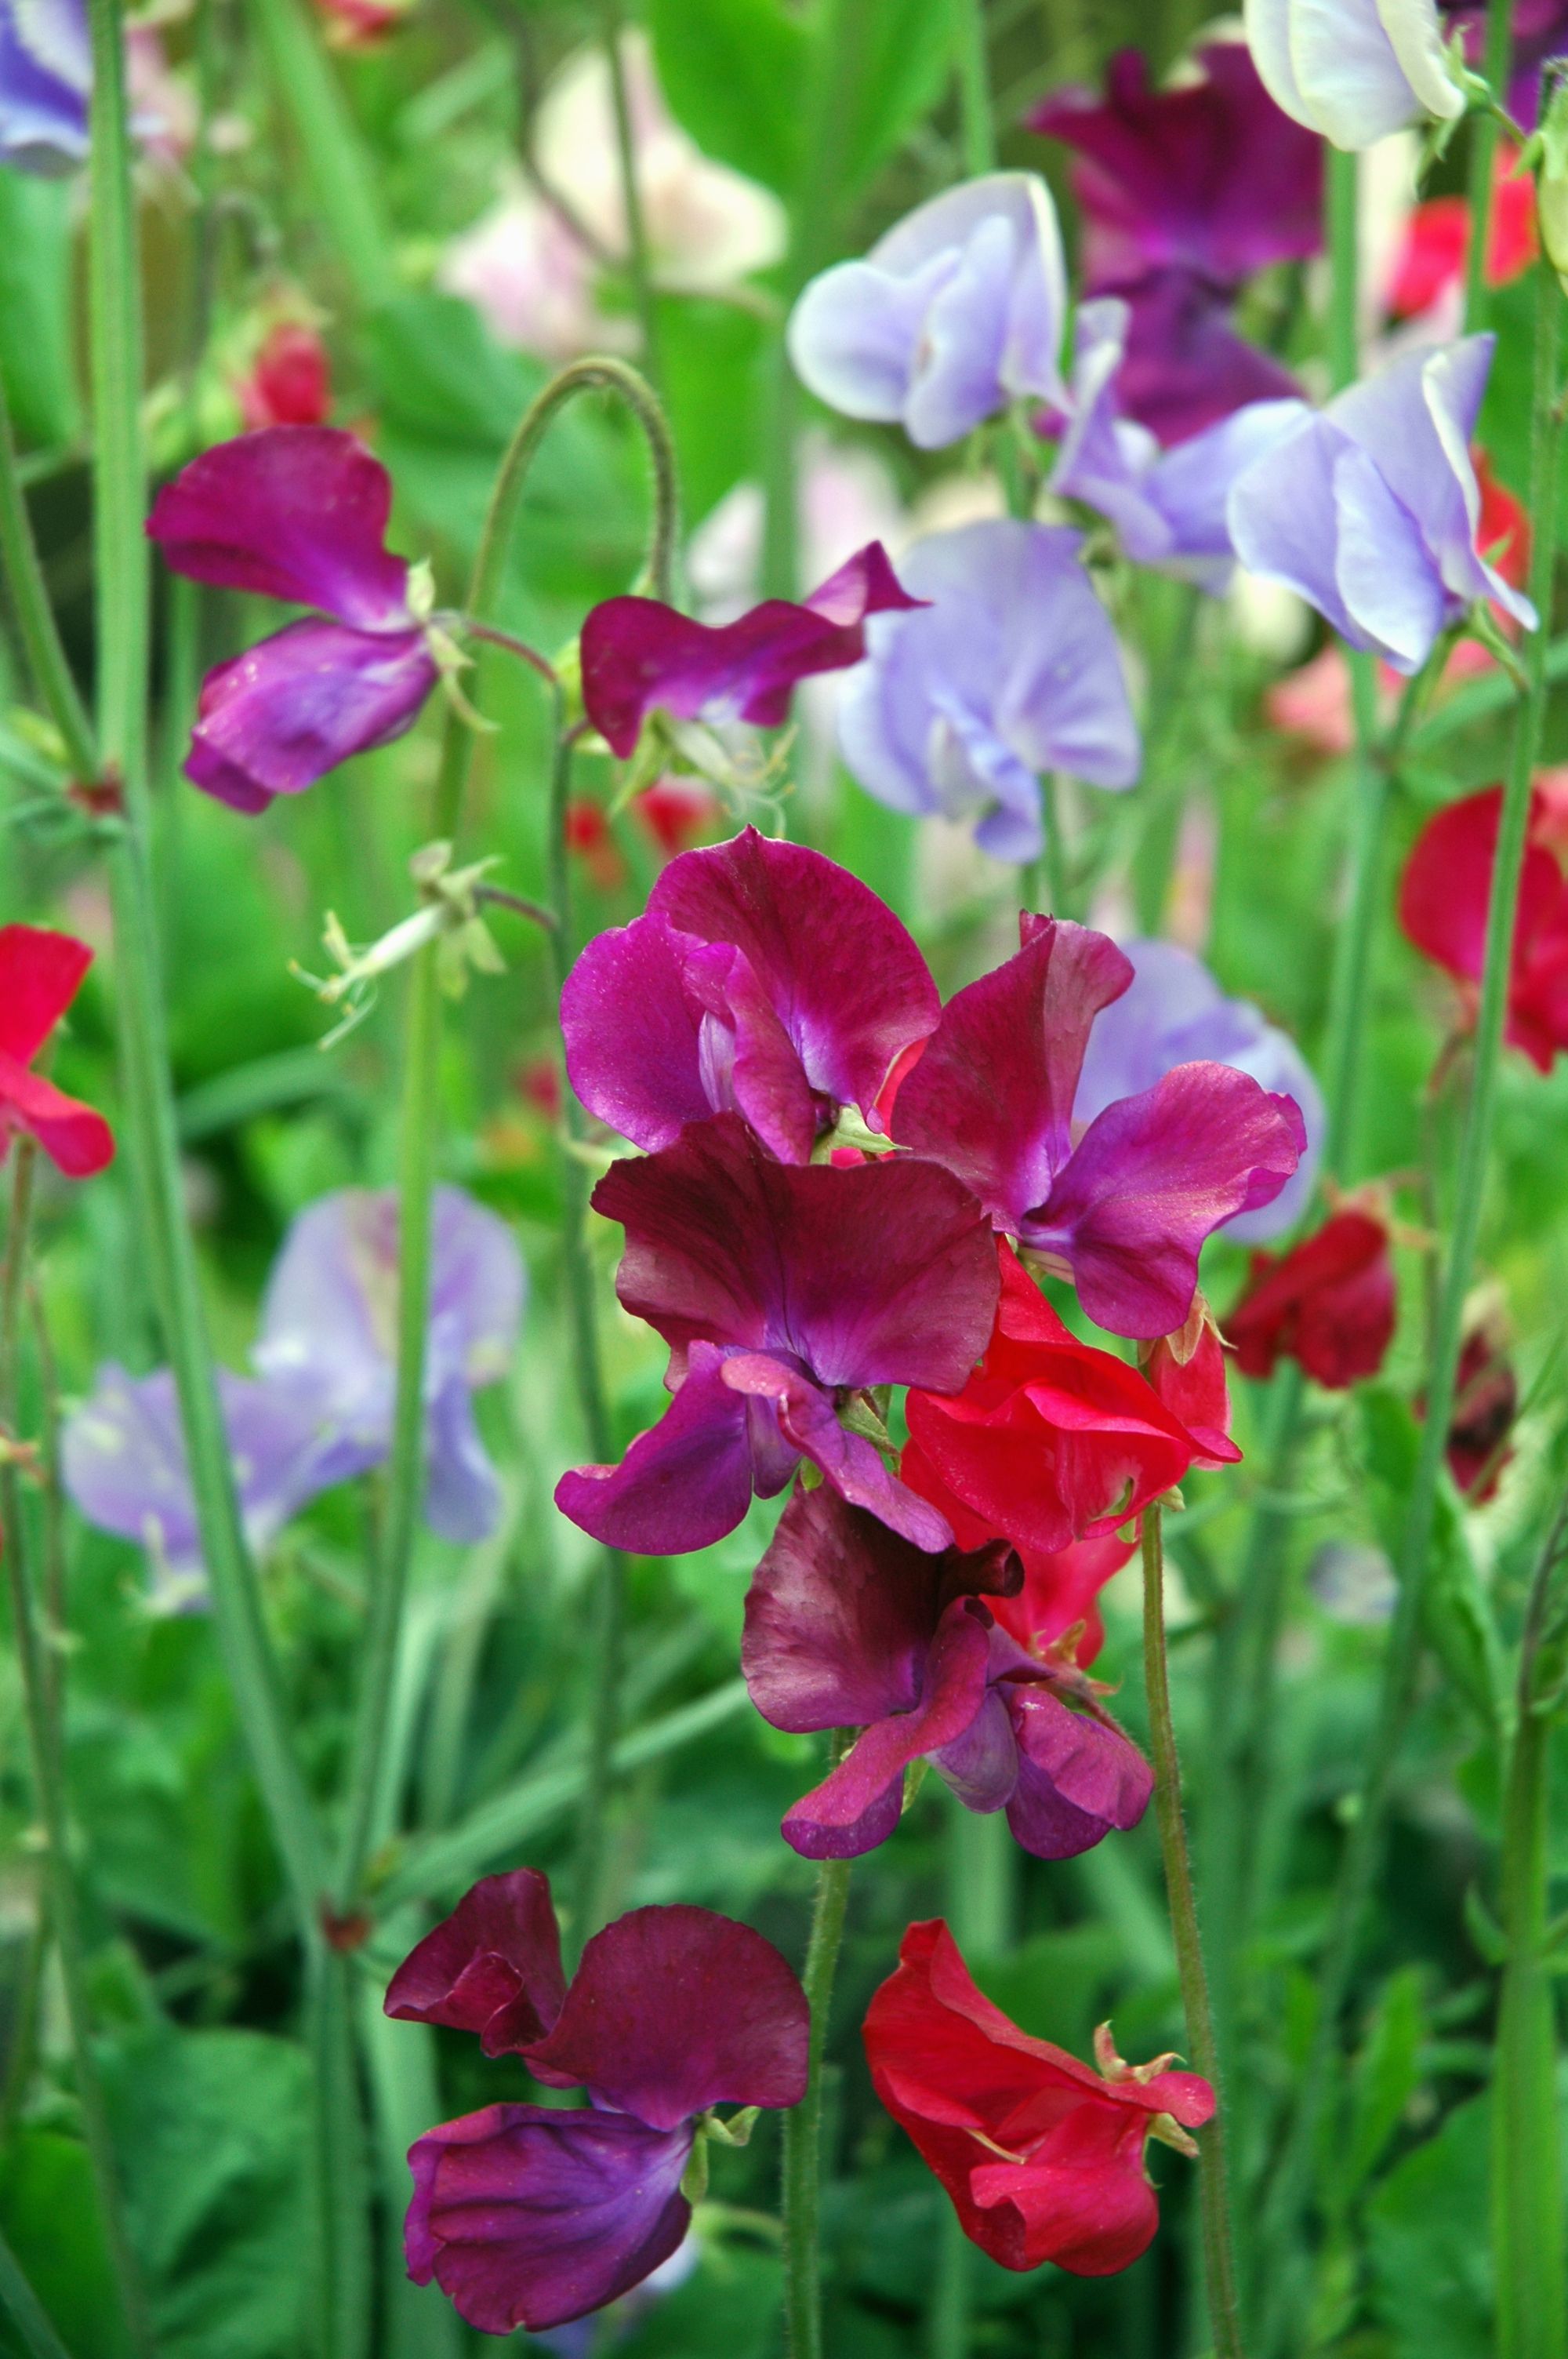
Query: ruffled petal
point(492, 1967)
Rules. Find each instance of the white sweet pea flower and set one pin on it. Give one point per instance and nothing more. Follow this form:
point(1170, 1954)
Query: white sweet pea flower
point(1354, 69)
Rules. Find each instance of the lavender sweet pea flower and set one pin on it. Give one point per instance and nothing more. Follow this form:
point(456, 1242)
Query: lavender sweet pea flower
point(1169, 509)
point(1369, 509)
point(780, 1288)
point(297, 513)
point(848, 1626)
point(533, 2215)
point(638, 654)
point(1175, 1013)
point(958, 311)
point(761, 977)
point(1125, 1211)
point(1354, 69)
point(1013, 668)
point(46, 80)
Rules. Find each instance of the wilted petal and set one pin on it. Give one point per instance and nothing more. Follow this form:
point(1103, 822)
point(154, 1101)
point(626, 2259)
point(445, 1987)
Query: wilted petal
point(492, 1967)
point(1329, 1303)
point(280, 716)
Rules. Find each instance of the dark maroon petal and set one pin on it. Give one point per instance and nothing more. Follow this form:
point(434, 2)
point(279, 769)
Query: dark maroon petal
point(842, 976)
point(293, 706)
point(682, 1484)
point(527, 2216)
point(1151, 1178)
point(992, 1095)
point(1184, 366)
point(638, 654)
point(1076, 1778)
point(852, 1464)
point(293, 512)
point(673, 2010)
point(633, 1032)
point(493, 1966)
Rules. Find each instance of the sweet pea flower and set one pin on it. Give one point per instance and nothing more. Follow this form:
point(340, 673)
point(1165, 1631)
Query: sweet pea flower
point(1185, 367)
point(1369, 510)
point(1124, 1209)
point(955, 311)
point(783, 1291)
point(1011, 669)
point(1175, 1013)
point(1444, 900)
point(40, 974)
point(1354, 69)
point(532, 2215)
point(46, 80)
point(1329, 1303)
point(1428, 265)
point(297, 513)
point(639, 654)
point(761, 977)
point(289, 382)
point(1060, 1593)
point(1044, 2159)
point(1050, 1440)
point(848, 1626)
point(1169, 508)
point(1486, 1403)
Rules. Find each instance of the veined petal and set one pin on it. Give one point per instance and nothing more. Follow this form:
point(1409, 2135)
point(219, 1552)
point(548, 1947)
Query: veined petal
point(276, 718)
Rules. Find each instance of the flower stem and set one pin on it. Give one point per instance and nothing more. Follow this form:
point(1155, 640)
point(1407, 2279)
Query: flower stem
point(34, 616)
point(46, 1762)
point(1220, 2269)
point(637, 254)
point(982, 1894)
point(1483, 158)
point(978, 130)
point(803, 2125)
point(341, 180)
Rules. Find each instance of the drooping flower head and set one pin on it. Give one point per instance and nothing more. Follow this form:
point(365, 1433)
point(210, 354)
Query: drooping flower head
point(46, 79)
point(1043, 2158)
point(1370, 509)
point(955, 311)
point(1354, 69)
point(1443, 899)
point(639, 655)
point(1329, 1303)
point(1011, 669)
point(782, 1290)
point(532, 2215)
point(40, 973)
point(297, 513)
point(1126, 1209)
point(848, 1626)
point(761, 977)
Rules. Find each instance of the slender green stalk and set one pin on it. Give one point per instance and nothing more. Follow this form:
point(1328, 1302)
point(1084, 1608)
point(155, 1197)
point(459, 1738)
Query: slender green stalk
point(1363, 1850)
point(1483, 158)
point(1343, 240)
point(24, 2310)
point(637, 252)
point(46, 1762)
point(341, 180)
point(1528, 2244)
point(340, 2162)
point(982, 1895)
point(34, 616)
point(977, 129)
point(1219, 2267)
point(803, 2125)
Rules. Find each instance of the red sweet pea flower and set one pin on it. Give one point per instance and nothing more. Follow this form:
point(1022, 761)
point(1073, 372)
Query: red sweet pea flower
point(1188, 1371)
point(1502, 534)
point(1442, 909)
point(40, 975)
point(1043, 2157)
point(1061, 1593)
point(290, 382)
point(1050, 1442)
point(1486, 1403)
point(1432, 258)
point(1329, 1303)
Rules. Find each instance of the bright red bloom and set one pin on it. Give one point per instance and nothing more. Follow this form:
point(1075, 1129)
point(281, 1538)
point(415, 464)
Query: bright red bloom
point(1437, 234)
point(290, 382)
point(1442, 909)
point(678, 814)
point(1043, 2157)
point(1329, 1303)
point(40, 973)
point(1188, 1371)
point(1050, 1442)
point(1061, 1591)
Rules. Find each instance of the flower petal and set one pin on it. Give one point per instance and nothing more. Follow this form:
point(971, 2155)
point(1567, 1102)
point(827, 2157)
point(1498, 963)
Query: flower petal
point(40, 974)
point(74, 1136)
point(492, 1967)
point(684, 1483)
point(1077, 1778)
point(280, 716)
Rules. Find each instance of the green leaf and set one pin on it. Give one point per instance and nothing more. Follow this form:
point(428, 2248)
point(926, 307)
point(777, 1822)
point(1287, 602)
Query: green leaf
point(49, 2208)
point(1387, 2071)
point(735, 73)
point(35, 308)
point(894, 62)
point(1429, 2252)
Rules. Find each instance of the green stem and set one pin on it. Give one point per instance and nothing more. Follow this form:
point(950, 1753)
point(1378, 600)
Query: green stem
point(979, 131)
point(342, 2189)
point(982, 1895)
point(1363, 1850)
point(803, 2125)
point(24, 2310)
point(342, 180)
point(1220, 2269)
point(637, 253)
point(1343, 240)
point(34, 616)
point(46, 1762)
point(1483, 157)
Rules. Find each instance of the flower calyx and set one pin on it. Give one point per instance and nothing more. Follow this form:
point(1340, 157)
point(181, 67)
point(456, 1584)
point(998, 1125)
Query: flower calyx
point(448, 918)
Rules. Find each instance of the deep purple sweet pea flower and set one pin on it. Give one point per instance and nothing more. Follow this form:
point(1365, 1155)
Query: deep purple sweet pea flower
point(297, 513)
point(1175, 1013)
point(762, 977)
point(1169, 509)
point(45, 82)
point(1208, 174)
point(1124, 1211)
point(638, 654)
point(1184, 367)
point(532, 2215)
point(955, 311)
point(848, 1626)
point(780, 1288)
point(1369, 509)
point(1013, 668)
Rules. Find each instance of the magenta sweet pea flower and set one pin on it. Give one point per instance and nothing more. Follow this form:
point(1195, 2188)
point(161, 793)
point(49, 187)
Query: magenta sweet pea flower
point(639, 655)
point(783, 1291)
point(297, 513)
point(763, 978)
point(532, 2215)
point(1124, 1211)
point(848, 1626)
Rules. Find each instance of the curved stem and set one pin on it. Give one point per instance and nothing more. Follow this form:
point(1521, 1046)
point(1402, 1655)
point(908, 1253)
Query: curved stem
point(1483, 160)
point(803, 2124)
point(1219, 2267)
